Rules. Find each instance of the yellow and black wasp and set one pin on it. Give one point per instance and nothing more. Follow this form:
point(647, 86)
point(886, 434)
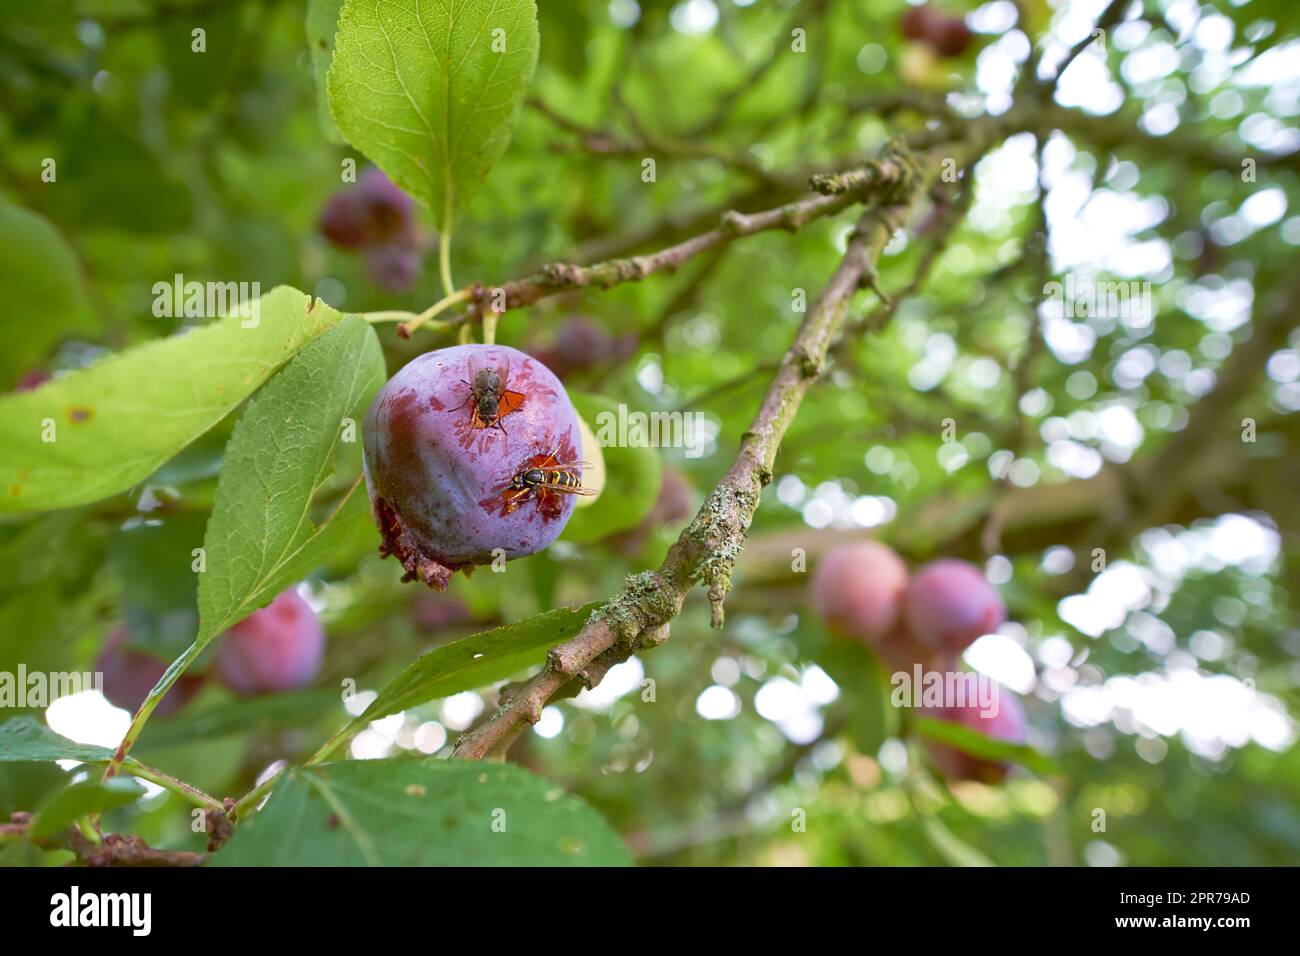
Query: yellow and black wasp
point(543, 474)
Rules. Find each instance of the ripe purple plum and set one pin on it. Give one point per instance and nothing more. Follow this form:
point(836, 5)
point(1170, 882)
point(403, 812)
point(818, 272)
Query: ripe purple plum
point(129, 675)
point(275, 649)
point(945, 34)
point(374, 211)
point(914, 22)
point(949, 604)
point(434, 613)
point(858, 588)
point(439, 476)
point(948, 36)
point(1007, 723)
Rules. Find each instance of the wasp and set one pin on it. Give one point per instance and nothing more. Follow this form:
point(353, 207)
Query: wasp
point(489, 399)
point(544, 473)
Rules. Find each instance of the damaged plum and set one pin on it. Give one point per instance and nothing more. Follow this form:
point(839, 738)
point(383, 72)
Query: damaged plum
point(471, 454)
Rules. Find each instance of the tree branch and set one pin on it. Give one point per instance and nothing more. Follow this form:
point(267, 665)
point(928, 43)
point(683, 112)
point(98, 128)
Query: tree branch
point(707, 549)
point(558, 277)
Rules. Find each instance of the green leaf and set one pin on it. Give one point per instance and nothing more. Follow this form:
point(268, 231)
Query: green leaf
point(951, 847)
point(477, 660)
point(869, 717)
point(421, 813)
point(979, 745)
point(120, 419)
point(322, 24)
point(45, 292)
point(27, 738)
point(632, 478)
point(79, 799)
point(159, 588)
point(566, 29)
point(122, 183)
point(24, 785)
point(424, 90)
point(261, 537)
point(272, 713)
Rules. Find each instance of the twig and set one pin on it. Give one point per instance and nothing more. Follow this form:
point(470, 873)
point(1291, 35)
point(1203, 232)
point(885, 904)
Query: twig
point(602, 143)
point(558, 277)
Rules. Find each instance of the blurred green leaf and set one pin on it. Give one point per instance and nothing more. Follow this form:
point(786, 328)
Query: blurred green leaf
point(980, 745)
point(79, 799)
point(121, 183)
point(322, 24)
point(273, 712)
point(430, 91)
point(117, 421)
point(477, 661)
point(45, 291)
point(159, 587)
point(951, 847)
point(23, 785)
point(421, 813)
point(261, 537)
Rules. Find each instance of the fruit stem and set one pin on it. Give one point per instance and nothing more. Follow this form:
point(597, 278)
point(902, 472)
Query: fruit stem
point(442, 305)
point(392, 316)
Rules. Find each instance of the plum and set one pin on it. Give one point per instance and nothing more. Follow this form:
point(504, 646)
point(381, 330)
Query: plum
point(129, 675)
point(439, 475)
point(949, 604)
point(275, 649)
point(374, 211)
point(439, 612)
point(900, 651)
point(948, 36)
point(857, 590)
point(914, 23)
point(945, 34)
point(1007, 723)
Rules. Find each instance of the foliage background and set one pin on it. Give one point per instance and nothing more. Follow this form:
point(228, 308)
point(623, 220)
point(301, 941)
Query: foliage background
point(216, 166)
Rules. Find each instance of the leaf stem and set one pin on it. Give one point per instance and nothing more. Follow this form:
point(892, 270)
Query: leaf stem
point(170, 676)
point(250, 799)
point(444, 253)
point(167, 781)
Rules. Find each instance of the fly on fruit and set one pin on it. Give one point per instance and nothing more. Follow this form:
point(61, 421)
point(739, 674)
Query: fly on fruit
point(489, 398)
